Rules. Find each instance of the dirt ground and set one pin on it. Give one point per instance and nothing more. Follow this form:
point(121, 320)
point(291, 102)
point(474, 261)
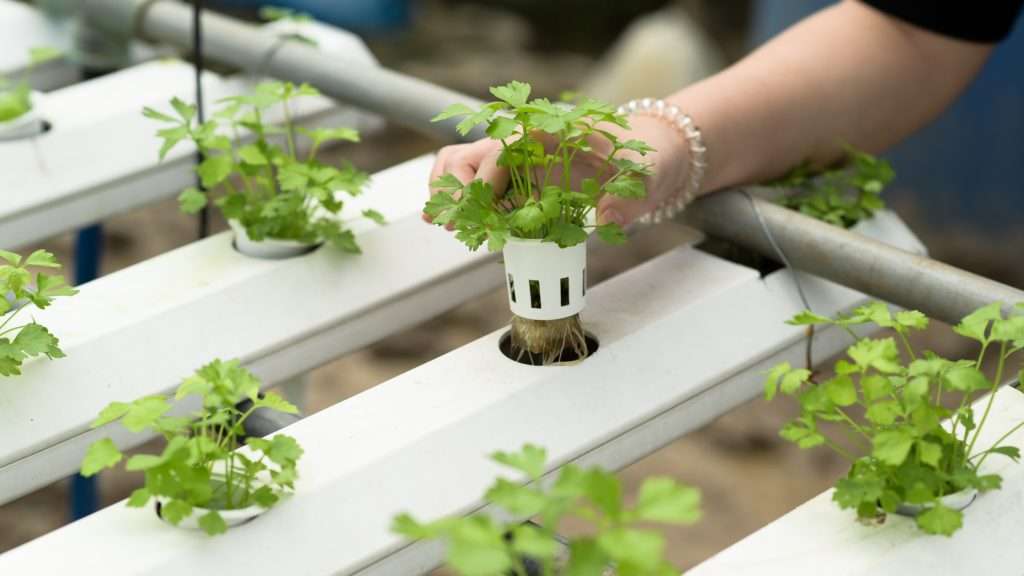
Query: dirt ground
point(747, 474)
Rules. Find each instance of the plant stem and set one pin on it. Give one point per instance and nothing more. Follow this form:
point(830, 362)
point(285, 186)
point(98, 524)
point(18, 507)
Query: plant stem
point(997, 443)
point(992, 394)
point(853, 424)
point(906, 344)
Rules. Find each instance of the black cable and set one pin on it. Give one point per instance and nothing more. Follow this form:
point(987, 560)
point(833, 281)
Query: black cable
point(197, 59)
point(809, 351)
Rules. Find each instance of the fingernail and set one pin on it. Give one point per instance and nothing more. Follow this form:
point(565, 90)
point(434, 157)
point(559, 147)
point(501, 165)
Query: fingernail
point(612, 216)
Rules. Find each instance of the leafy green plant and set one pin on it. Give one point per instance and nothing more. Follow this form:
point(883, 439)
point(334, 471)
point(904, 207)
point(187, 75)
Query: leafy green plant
point(911, 456)
point(269, 187)
point(201, 465)
point(545, 200)
point(841, 196)
point(16, 97)
point(18, 293)
point(481, 545)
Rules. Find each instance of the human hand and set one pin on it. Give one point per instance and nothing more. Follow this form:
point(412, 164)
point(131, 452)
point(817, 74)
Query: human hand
point(669, 164)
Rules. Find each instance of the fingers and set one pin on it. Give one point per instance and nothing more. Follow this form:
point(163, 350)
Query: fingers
point(489, 171)
point(622, 211)
point(468, 162)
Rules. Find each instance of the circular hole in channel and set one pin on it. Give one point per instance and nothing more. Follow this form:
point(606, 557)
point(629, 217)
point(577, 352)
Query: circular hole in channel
point(284, 255)
point(530, 359)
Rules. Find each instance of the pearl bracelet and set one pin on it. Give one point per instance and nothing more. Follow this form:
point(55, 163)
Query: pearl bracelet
point(675, 203)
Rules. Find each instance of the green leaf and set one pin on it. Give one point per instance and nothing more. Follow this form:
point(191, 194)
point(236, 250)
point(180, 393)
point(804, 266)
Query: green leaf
point(515, 498)
point(374, 216)
point(880, 354)
point(40, 54)
point(10, 257)
point(625, 187)
point(447, 183)
point(637, 146)
point(174, 511)
point(501, 128)
point(185, 111)
point(892, 446)
point(453, 111)
point(214, 170)
point(940, 520)
point(252, 155)
point(771, 382)
point(840, 390)
point(912, 319)
point(274, 401)
point(1011, 452)
point(635, 548)
point(139, 498)
point(884, 413)
point(807, 317)
point(113, 411)
point(965, 379)
point(875, 386)
point(793, 380)
point(43, 259)
point(212, 523)
point(585, 558)
point(530, 459)
point(154, 114)
point(566, 235)
point(604, 489)
point(531, 541)
point(975, 324)
point(529, 218)
point(144, 412)
point(515, 93)
point(34, 340)
point(929, 452)
point(477, 548)
point(284, 450)
point(101, 455)
point(662, 499)
point(611, 233)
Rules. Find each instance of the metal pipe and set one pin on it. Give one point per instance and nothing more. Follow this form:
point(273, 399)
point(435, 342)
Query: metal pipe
point(398, 97)
point(909, 280)
point(939, 290)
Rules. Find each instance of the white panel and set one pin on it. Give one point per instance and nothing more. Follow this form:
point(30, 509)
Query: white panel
point(818, 534)
point(141, 330)
point(671, 358)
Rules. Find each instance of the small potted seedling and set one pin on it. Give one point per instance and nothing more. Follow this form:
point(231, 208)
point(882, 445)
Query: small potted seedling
point(19, 292)
point(618, 538)
point(843, 195)
point(279, 201)
point(542, 221)
point(20, 105)
point(892, 409)
point(208, 476)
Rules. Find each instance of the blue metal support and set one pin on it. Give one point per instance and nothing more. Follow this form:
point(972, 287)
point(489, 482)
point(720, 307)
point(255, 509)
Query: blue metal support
point(88, 254)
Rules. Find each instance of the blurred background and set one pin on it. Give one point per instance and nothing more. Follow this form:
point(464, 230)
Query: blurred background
point(957, 187)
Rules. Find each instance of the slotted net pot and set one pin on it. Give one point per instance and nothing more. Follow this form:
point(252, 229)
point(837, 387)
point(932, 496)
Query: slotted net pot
point(544, 281)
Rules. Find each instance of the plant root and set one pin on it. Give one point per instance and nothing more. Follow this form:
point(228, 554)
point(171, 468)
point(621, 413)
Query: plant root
point(547, 342)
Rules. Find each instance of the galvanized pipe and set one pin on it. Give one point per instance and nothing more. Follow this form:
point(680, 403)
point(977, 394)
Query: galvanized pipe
point(398, 97)
point(905, 279)
point(939, 290)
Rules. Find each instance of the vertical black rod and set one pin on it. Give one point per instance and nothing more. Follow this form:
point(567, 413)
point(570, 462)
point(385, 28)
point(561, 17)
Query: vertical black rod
point(197, 59)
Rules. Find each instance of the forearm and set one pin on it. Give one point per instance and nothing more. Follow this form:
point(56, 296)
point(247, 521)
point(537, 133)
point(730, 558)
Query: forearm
point(848, 75)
